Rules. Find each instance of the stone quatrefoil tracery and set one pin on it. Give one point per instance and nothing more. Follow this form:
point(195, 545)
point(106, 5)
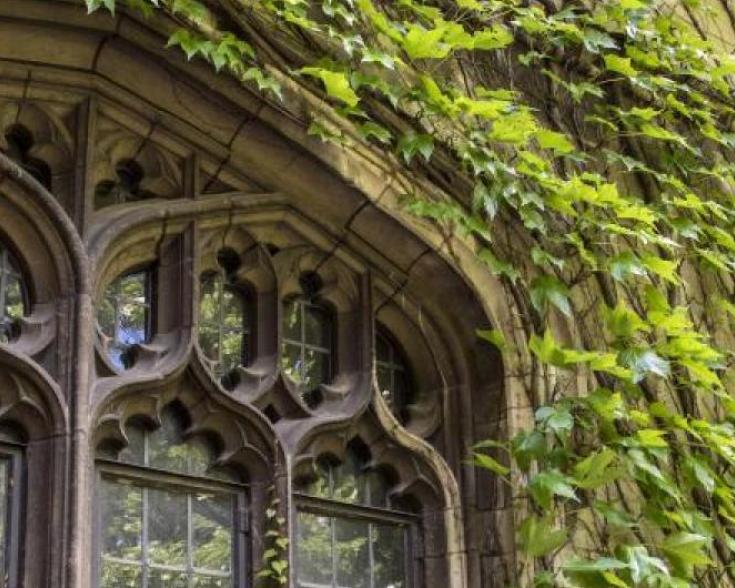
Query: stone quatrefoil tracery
point(227, 330)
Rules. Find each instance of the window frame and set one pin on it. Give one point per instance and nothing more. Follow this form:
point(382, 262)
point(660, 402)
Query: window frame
point(13, 452)
point(147, 477)
point(375, 515)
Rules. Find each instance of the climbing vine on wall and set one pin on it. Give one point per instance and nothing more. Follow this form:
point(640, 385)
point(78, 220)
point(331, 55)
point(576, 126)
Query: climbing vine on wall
point(585, 150)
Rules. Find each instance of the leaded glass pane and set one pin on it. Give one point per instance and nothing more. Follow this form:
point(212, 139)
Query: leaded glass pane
point(4, 502)
point(167, 527)
point(212, 533)
point(163, 535)
point(223, 323)
point(341, 550)
point(389, 548)
point(120, 575)
point(165, 578)
point(122, 520)
point(352, 553)
point(392, 374)
point(123, 316)
point(11, 295)
point(314, 550)
point(306, 351)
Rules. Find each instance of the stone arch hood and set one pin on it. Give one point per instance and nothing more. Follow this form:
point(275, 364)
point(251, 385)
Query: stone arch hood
point(262, 146)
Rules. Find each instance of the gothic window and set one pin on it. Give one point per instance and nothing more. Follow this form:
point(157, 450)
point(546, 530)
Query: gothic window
point(393, 374)
point(306, 354)
point(168, 516)
point(124, 316)
point(19, 142)
point(225, 320)
point(348, 535)
point(12, 295)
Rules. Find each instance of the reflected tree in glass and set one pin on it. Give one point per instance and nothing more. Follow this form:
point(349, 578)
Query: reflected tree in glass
point(168, 534)
point(306, 352)
point(224, 323)
point(12, 295)
point(124, 316)
point(337, 550)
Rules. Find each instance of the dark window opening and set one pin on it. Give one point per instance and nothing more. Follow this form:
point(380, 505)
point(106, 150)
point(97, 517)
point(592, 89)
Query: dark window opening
point(393, 375)
point(20, 142)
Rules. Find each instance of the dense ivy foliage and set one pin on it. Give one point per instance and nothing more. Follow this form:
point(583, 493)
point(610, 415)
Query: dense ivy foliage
point(585, 149)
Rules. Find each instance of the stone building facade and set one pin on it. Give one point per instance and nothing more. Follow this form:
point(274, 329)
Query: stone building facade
point(218, 333)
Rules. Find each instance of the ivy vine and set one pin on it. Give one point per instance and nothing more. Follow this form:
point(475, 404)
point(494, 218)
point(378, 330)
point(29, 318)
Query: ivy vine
point(585, 149)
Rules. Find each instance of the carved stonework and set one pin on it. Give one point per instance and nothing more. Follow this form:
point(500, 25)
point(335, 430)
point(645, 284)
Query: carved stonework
point(129, 168)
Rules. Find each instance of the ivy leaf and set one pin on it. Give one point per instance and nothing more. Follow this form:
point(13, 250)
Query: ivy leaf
point(371, 129)
point(623, 322)
point(596, 470)
point(547, 290)
point(624, 264)
point(495, 37)
point(420, 43)
point(557, 142)
point(494, 337)
point(537, 537)
point(620, 65)
point(686, 550)
point(527, 446)
point(544, 486)
point(556, 419)
point(644, 361)
point(484, 461)
point(546, 349)
point(412, 143)
point(336, 83)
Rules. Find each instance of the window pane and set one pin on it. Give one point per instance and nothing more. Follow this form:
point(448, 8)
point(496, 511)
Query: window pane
point(122, 517)
point(317, 326)
point(316, 369)
point(202, 581)
point(122, 315)
point(292, 321)
point(166, 449)
point(4, 498)
point(13, 297)
point(209, 341)
point(352, 553)
point(291, 362)
point(134, 452)
point(212, 533)
point(390, 556)
point(120, 575)
point(209, 302)
point(314, 549)
point(167, 528)
point(158, 578)
point(231, 350)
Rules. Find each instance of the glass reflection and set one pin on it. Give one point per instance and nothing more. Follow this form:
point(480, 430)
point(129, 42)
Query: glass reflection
point(392, 374)
point(339, 550)
point(306, 351)
point(12, 292)
point(157, 535)
point(224, 329)
point(124, 315)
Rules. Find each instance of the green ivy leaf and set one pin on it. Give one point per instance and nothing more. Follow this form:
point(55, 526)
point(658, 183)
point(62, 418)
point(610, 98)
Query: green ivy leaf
point(336, 83)
point(537, 536)
point(548, 290)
